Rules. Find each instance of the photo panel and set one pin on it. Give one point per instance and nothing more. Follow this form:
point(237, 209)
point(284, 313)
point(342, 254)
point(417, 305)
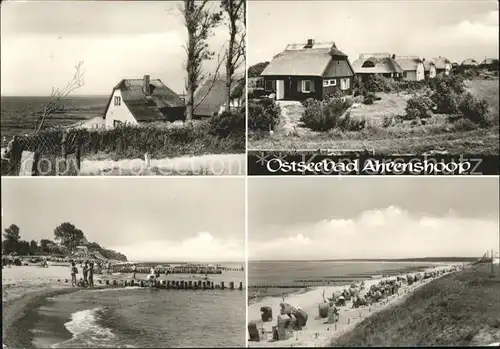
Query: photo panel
point(364, 262)
point(373, 88)
point(123, 263)
point(123, 88)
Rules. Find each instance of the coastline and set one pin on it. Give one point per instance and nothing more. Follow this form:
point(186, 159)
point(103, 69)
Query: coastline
point(15, 331)
point(317, 332)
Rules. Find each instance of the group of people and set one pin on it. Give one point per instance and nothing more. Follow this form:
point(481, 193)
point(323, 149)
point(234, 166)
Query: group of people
point(88, 274)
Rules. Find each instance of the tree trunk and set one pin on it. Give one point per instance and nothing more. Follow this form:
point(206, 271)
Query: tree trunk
point(229, 63)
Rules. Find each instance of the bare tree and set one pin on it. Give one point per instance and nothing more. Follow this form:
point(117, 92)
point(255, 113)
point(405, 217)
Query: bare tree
point(200, 21)
point(59, 95)
point(236, 22)
point(212, 77)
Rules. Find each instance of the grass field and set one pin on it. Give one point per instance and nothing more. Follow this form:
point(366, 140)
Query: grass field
point(438, 134)
point(460, 309)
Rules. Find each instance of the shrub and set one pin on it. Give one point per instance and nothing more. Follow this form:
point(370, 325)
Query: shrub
point(349, 124)
point(474, 109)
point(263, 114)
point(464, 124)
point(227, 123)
point(445, 98)
point(306, 102)
point(368, 100)
point(418, 107)
point(325, 115)
point(378, 83)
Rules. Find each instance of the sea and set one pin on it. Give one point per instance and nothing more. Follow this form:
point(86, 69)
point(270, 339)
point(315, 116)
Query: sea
point(300, 272)
point(19, 114)
point(135, 317)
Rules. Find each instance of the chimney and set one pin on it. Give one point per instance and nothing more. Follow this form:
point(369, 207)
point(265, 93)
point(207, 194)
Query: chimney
point(393, 56)
point(310, 43)
point(146, 86)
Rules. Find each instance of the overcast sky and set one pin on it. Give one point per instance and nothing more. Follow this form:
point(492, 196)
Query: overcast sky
point(146, 219)
point(397, 217)
point(455, 29)
point(42, 41)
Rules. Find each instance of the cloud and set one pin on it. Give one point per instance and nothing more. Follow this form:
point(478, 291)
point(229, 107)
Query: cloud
point(381, 233)
point(202, 248)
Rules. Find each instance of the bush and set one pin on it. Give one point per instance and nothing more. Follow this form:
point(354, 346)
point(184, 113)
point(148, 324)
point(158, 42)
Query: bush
point(418, 107)
point(306, 102)
point(325, 115)
point(263, 114)
point(349, 124)
point(378, 83)
point(227, 123)
point(474, 109)
point(445, 98)
point(368, 100)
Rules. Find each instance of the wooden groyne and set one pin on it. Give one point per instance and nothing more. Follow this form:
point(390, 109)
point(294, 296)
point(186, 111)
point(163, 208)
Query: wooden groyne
point(170, 284)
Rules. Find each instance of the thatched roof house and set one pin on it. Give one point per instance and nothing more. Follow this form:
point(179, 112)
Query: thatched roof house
point(210, 97)
point(413, 67)
point(443, 65)
point(308, 70)
point(429, 69)
point(469, 63)
point(135, 101)
point(377, 63)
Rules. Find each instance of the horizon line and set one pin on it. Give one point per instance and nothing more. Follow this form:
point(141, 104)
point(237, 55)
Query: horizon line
point(361, 259)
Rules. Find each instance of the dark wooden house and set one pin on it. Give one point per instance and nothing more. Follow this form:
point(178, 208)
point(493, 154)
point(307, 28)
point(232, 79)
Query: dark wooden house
point(309, 70)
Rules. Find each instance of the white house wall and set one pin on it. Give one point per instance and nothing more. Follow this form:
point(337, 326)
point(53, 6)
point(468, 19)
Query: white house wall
point(118, 112)
point(432, 72)
point(411, 75)
point(420, 72)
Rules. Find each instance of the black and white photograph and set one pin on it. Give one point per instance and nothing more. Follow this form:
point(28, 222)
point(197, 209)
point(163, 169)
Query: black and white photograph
point(123, 87)
point(377, 77)
point(373, 262)
point(123, 263)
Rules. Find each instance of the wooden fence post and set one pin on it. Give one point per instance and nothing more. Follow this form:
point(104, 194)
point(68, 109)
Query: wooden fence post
point(36, 158)
point(78, 153)
point(16, 154)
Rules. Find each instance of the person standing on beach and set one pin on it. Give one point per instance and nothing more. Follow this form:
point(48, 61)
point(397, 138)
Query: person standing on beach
point(85, 272)
point(134, 270)
point(91, 274)
point(74, 271)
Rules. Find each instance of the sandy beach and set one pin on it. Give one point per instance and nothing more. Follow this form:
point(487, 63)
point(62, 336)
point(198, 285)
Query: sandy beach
point(318, 333)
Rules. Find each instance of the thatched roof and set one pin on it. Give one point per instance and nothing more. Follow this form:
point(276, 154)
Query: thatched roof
point(469, 62)
point(378, 63)
point(211, 94)
point(488, 61)
point(441, 62)
point(408, 63)
point(143, 107)
point(303, 60)
point(428, 65)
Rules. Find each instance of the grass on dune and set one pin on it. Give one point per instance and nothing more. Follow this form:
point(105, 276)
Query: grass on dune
point(460, 309)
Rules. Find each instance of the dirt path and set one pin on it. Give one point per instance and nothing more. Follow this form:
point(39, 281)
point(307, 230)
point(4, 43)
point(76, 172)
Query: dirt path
point(317, 333)
point(291, 112)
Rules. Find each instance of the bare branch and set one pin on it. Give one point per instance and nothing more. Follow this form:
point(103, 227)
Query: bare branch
point(58, 96)
point(220, 60)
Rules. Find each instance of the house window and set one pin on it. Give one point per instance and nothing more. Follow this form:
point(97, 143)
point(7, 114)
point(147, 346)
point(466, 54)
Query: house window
point(117, 123)
point(118, 100)
point(270, 85)
point(345, 84)
point(331, 82)
point(368, 64)
point(404, 74)
point(306, 86)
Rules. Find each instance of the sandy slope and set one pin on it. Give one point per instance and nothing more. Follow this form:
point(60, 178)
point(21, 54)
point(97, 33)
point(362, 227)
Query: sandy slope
point(317, 333)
